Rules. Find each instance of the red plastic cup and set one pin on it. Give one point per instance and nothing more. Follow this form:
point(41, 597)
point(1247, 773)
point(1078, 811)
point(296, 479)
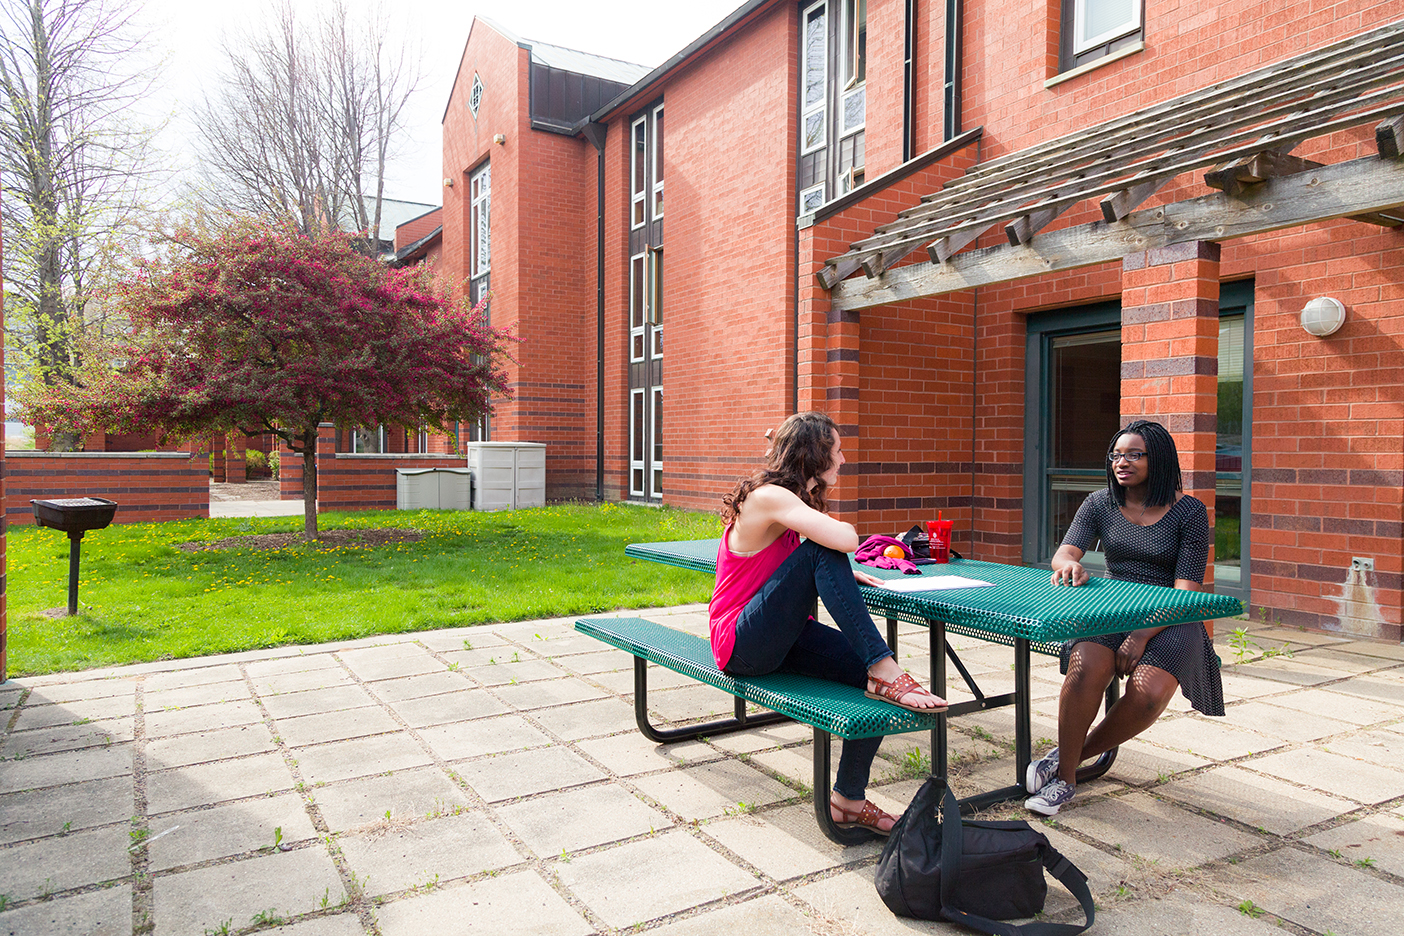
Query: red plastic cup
point(939, 534)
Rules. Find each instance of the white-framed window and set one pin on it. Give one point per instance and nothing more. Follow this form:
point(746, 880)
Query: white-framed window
point(475, 95)
point(637, 446)
point(368, 440)
point(655, 484)
point(638, 165)
point(638, 305)
point(853, 104)
point(1099, 21)
point(657, 162)
point(811, 199)
point(480, 221)
point(654, 307)
point(814, 72)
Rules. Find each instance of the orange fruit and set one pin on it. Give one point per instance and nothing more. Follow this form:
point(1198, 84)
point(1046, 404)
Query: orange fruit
point(894, 552)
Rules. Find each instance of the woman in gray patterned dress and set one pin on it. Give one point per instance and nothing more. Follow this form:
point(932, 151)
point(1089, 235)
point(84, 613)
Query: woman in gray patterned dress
point(1151, 532)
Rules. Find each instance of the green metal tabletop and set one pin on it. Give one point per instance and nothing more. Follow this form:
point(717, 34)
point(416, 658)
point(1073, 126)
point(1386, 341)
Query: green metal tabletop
point(1022, 602)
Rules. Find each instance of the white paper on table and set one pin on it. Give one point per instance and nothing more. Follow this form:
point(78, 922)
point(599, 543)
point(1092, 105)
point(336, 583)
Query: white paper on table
point(934, 583)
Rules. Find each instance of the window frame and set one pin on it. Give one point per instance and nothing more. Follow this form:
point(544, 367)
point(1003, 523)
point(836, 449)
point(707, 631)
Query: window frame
point(1081, 45)
point(480, 200)
point(638, 170)
point(655, 145)
point(853, 85)
point(821, 107)
point(1073, 55)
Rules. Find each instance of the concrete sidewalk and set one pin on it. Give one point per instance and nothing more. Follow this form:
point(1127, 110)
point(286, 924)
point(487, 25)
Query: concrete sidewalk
point(491, 780)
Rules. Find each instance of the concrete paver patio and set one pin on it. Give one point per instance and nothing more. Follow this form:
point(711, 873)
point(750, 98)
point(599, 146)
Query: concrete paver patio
point(491, 780)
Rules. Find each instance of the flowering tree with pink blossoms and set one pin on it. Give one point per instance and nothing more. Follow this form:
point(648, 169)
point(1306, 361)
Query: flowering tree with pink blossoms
point(258, 329)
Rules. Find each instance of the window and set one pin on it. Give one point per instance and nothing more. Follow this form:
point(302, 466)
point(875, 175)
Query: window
point(855, 65)
point(480, 221)
point(367, 440)
point(638, 172)
point(814, 118)
point(658, 162)
point(475, 95)
point(655, 299)
point(644, 313)
point(833, 100)
point(1094, 28)
point(1232, 449)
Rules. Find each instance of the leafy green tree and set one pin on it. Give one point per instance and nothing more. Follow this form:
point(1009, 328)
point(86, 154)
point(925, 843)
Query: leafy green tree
point(259, 329)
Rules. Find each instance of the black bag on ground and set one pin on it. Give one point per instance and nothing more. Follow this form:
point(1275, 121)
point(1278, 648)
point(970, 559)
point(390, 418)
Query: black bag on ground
point(937, 866)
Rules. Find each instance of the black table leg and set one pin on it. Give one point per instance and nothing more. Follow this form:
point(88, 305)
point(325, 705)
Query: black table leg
point(1023, 708)
point(938, 686)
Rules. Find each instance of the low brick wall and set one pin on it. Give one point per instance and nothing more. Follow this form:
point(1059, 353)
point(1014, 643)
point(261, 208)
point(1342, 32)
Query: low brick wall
point(356, 482)
point(147, 486)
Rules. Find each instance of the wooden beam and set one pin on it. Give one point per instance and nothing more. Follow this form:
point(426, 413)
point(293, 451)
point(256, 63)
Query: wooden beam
point(1390, 220)
point(1389, 137)
point(947, 247)
point(1234, 178)
point(842, 269)
point(1360, 186)
point(1022, 229)
point(1118, 205)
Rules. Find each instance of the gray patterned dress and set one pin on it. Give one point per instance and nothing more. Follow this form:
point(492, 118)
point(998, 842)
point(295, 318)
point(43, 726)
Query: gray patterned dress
point(1174, 547)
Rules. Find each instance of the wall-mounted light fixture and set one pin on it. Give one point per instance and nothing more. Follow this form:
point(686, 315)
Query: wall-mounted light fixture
point(500, 139)
point(448, 183)
point(1323, 316)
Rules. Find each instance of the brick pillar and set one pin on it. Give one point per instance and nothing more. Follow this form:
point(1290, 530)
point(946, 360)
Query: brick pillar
point(217, 447)
point(235, 446)
point(828, 363)
point(1170, 356)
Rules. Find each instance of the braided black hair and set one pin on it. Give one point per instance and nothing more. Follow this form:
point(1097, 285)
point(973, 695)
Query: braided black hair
point(1163, 478)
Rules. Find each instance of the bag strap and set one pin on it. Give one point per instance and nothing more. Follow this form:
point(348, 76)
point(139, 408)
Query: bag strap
point(952, 856)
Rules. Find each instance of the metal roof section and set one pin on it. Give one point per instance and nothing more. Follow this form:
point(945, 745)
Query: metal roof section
point(573, 60)
point(394, 213)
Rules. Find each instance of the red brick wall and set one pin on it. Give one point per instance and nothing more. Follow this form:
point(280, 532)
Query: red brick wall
point(729, 284)
point(150, 487)
point(417, 228)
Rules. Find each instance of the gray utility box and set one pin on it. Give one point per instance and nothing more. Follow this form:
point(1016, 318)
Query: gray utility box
point(508, 474)
point(433, 489)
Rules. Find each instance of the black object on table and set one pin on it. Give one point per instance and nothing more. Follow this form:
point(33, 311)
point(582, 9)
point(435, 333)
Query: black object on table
point(74, 516)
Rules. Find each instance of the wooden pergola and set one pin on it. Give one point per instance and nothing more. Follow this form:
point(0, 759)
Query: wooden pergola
point(1240, 132)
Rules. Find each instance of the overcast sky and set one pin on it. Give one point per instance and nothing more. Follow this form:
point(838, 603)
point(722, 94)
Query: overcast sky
point(643, 31)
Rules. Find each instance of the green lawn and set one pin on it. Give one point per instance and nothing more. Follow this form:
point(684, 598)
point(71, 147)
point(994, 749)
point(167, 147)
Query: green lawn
point(141, 598)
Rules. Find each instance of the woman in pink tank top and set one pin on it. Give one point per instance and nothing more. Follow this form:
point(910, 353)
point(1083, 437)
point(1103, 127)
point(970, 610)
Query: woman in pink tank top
point(768, 580)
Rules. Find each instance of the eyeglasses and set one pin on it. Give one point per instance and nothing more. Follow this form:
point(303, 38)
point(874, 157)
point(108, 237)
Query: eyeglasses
point(1132, 457)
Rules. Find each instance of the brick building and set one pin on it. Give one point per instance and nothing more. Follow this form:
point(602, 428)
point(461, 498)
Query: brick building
point(980, 248)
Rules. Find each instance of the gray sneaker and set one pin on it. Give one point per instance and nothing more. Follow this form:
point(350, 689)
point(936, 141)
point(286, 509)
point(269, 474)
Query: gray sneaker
point(1041, 771)
point(1051, 798)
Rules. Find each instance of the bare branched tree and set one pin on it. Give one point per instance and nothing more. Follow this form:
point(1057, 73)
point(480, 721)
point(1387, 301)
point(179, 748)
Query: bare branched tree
point(74, 168)
point(305, 119)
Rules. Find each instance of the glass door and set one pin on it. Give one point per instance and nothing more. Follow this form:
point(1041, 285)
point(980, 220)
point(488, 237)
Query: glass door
point(1233, 448)
point(1073, 387)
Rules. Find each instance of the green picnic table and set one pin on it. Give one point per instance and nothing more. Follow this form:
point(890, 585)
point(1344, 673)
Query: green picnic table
point(1019, 608)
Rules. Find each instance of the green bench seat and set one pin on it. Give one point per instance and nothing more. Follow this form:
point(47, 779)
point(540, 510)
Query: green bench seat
point(829, 708)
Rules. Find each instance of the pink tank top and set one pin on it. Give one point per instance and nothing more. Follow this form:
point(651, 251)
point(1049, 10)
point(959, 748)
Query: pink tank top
point(738, 580)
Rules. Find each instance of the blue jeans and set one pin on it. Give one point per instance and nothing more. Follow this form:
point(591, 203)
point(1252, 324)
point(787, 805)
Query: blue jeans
point(776, 634)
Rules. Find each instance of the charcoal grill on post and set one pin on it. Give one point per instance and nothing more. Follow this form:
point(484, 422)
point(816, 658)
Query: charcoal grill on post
point(74, 516)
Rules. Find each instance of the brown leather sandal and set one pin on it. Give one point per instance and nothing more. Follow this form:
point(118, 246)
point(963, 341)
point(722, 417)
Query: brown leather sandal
point(866, 818)
point(893, 693)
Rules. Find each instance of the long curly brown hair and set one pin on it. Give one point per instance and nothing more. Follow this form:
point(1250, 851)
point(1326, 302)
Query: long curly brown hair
point(800, 451)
